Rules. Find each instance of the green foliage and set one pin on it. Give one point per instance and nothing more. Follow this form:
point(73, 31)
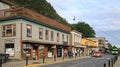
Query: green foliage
point(109, 46)
point(114, 46)
point(84, 28)
point(43, 7)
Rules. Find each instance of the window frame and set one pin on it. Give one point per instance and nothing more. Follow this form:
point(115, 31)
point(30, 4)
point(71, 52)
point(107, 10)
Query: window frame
point(58, 37)
point(5, 28)
point(41, 35)
point(27, 34)
point(46, 34)
point(52, 36)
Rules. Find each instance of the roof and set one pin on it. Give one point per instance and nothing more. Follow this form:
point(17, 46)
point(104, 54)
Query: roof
point(24, 12)
point(9, 3)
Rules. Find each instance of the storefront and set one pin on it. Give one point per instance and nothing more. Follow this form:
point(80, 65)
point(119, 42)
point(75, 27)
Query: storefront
point(34, 51)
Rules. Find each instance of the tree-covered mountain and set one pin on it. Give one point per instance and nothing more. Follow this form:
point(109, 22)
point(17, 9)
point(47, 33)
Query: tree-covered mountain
point(43, 7)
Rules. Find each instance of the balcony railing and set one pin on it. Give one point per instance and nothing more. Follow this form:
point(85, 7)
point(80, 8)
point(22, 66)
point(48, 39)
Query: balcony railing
point(15, 12)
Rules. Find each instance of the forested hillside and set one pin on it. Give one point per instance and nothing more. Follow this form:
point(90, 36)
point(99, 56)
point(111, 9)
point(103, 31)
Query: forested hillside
point(43, 7)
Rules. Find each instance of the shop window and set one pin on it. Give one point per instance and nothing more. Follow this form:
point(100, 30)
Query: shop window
point(27, 49)
point(9, 49)
point(52, 36)
point(9, 30)
point(46, 35)
point(29, 30)
point(40, 33)
point(58, 37)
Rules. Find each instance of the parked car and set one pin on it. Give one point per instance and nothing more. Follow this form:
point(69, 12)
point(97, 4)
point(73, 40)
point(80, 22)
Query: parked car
point(97, 54)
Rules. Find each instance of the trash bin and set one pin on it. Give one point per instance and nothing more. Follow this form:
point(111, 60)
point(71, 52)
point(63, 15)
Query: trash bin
point(4, 57)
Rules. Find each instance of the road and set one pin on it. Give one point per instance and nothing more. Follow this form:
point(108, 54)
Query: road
point(86, 62)
point(117, 64)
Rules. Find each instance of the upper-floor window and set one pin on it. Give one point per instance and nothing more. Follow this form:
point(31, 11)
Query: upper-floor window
point(9, 30)
point(67, 38)
point(29, 30)
point(52, 36)
point(58, 37)
point(62, 37)
point(40, 33)
point(46, 35)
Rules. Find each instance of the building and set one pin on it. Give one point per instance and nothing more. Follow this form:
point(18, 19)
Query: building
point(27, 33)
point(75, 41)
point(90, 45)
point(102, 43)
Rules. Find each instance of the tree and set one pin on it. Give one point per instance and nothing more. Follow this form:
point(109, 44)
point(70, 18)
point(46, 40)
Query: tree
point(109, 46)
point(83, 28)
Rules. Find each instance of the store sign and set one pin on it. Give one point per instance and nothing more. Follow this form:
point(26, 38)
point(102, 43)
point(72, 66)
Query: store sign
point(9, 40)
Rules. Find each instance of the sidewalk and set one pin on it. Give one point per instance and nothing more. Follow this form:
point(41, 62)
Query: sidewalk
point(34, 63)
point(117, 64)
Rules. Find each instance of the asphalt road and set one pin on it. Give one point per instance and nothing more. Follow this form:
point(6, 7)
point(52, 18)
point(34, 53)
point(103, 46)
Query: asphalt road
point(117, 64)
point(86, 62)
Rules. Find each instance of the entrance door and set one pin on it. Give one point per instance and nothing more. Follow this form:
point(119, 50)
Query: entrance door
point(34, 52)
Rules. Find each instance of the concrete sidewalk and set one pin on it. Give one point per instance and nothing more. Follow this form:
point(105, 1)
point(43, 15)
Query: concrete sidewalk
point(117, 64)
point(35, 63)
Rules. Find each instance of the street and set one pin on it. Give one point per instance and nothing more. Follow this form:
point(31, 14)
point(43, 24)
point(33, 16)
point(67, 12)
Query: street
point(85, 62)
point(117, 64)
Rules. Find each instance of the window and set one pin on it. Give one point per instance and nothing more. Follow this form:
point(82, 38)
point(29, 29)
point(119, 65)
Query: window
point(9, 49)
point(9, 30)
point(52, 37)
point(58, 37)
point(62, 37)
point(46, 35)
point(67, 38)
point(29, 30)
point(40, 33)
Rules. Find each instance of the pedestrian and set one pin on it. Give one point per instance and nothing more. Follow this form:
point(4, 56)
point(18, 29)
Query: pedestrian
point(70, 54)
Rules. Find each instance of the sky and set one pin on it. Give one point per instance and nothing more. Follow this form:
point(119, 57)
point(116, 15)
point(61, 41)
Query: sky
point(102, 15)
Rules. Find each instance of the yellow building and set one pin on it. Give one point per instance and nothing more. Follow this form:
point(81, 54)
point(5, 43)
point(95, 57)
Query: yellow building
point(90, 45)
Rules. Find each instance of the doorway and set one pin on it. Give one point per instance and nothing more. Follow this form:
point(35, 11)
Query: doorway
point(35, 52)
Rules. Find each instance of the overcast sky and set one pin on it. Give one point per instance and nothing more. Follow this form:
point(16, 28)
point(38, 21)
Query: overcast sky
point(102, 15)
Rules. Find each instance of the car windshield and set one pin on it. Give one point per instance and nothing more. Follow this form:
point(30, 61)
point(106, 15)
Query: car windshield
point(97, 52)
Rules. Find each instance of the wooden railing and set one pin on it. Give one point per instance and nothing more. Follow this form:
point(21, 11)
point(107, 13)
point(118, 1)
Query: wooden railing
point(14, 12)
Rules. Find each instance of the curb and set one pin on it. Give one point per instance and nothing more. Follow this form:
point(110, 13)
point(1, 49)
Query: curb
point(59, 61)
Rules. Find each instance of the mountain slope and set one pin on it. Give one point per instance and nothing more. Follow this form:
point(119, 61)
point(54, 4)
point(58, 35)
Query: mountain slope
point(43, 7)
